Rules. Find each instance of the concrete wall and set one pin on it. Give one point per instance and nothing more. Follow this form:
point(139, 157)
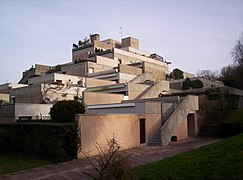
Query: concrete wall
point(136, 51)
point(92, 82)
point(53, 93)
point(132, 57)
point(4, 97)
point(5, 88)
point(134, 90)
point(102, 45)
point(82, 53)
point(188, 75)
point(91, 98)
point(125, 128)
point(156, 69)
point(43, 93)
point(124, 108)
point(207, 83)
point(130, 42)
point(33, 71)
point(123, 77)
point(142, 78)
point(28, 94)
point(55, 77)
point(129, 69)
point(11, 113)
point(176, 125)
point(99, 67)
point(160, 87)
point(7, 110)
point(77, 69)
point(37, 111)
point(106, 61)
point(176, 84)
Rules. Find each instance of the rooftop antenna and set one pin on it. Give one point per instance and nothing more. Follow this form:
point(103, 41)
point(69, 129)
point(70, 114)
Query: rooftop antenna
point(120, 32)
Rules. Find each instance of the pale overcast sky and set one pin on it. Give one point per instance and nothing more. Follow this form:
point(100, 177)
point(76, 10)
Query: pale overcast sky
point(192, 34)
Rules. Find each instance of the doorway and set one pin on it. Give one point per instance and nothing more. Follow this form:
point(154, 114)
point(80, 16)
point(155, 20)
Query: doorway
point(142, 130)
point(191, 125)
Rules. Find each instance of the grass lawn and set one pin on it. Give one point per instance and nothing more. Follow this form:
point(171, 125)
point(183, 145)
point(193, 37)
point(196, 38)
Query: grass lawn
point(222, 160)
point(16, 162)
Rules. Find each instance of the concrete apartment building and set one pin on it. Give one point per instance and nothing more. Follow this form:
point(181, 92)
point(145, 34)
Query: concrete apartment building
point(127, 93)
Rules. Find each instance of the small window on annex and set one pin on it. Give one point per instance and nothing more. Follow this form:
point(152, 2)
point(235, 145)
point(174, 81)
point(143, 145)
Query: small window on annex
point(91, 70)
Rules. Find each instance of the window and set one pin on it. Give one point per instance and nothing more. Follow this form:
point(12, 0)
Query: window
point(91, 70)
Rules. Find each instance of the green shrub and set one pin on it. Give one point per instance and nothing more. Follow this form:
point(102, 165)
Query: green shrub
point(177, 74)
point(187, 84)
point(64, 111)
point(56, 142)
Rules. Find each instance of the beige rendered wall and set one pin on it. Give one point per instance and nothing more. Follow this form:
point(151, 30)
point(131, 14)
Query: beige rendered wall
point(91, 98)
point(92, 82)
point(125, 127)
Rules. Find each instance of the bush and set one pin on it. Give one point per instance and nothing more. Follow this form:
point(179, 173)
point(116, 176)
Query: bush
point(56, 142)
point(64, 111)
point(177, 74)
point(187, 84)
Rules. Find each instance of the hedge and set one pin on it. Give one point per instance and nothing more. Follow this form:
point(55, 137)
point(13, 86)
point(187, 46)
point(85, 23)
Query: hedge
point(56, 142)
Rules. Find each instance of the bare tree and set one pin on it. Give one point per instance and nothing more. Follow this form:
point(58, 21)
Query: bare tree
point(237, 52)
point(111, 163)
point(232, 75)
point(208, 74)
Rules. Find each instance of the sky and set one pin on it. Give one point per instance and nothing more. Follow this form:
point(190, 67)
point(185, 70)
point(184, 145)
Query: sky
point(192, 34)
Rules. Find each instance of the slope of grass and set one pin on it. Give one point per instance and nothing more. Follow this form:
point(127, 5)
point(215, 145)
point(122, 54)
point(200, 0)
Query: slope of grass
point(15, 162)
point(222, 160)
point(235, 116)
